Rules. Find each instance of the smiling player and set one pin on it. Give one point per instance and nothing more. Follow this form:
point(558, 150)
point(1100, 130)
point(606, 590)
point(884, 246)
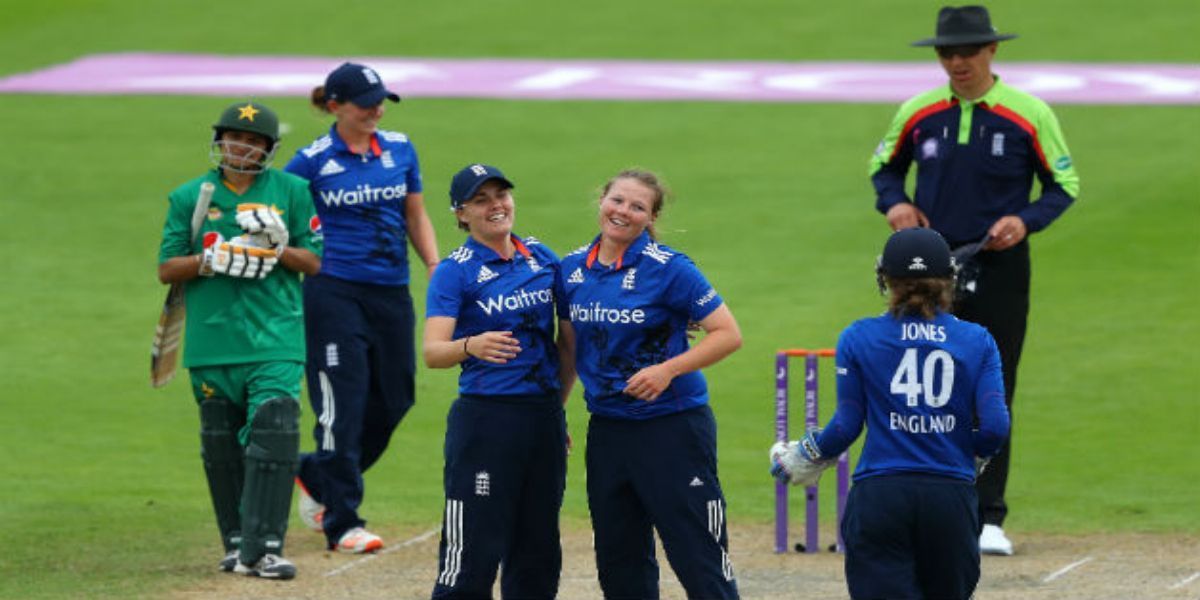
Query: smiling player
point(244, 344)
point(626, 302)
point(490, 310)
point(366, 184)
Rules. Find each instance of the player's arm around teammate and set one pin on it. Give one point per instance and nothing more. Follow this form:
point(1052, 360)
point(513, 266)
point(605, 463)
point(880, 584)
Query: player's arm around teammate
point(244, 340)
point(490, 310)
point(366, 185)
point(625, 302)
point(918, 378)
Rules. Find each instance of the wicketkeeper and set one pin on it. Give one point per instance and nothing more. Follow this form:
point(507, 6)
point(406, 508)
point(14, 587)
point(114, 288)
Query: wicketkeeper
point(244, 341)
point(929, 388)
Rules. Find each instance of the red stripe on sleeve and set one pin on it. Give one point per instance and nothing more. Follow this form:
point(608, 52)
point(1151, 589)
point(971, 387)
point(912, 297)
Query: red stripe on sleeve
point(912, 121)
point(1025, 126)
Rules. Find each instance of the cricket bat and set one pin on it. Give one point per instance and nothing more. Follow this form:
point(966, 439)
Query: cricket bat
point(168, 335)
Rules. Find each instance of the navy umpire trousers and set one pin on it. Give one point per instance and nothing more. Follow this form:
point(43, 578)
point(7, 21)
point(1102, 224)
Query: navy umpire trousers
point(1001, 304)
point(658, 473)
point(506, 468)
point(360, 371)
point(911, 537)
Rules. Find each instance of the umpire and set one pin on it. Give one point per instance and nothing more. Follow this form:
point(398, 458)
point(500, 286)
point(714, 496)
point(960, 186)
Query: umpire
point(978, 144)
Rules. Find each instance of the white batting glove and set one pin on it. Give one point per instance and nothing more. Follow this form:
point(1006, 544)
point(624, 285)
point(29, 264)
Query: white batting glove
point(235, 260)
point(265, 227)
point(798, 462)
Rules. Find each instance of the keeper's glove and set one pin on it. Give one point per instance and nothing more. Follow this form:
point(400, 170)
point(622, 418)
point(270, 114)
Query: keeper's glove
point(264, 227)
point(981, 465)
point(799, 462)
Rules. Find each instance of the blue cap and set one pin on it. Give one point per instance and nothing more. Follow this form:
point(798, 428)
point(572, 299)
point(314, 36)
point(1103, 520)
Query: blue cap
point(467, 181)
point(359, 84)
point(914, 253)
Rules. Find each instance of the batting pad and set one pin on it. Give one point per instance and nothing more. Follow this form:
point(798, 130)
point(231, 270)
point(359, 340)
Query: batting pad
point(272, 457)
point(220, 421)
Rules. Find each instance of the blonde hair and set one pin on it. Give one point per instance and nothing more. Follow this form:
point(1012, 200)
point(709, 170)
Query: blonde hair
point(651, 181)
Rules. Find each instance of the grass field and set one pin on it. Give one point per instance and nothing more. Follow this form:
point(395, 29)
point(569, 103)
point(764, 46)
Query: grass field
point(104, 493)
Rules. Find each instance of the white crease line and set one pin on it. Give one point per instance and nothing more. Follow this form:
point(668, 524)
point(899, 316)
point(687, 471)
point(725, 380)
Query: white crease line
point(1064, 570)
point(388, 550)
point(1186, 580)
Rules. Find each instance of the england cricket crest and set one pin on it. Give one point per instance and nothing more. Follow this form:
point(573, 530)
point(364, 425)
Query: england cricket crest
point(630, 277)
point(483, 484)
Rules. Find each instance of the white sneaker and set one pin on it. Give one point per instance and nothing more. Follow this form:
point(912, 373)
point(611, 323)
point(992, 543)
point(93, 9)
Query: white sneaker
point(359, 541)
point(312, 513)
point(228, 563)
point(270, 566)
point(993, 541)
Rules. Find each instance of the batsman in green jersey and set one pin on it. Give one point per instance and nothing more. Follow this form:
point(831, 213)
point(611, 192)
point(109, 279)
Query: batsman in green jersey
point(244, 340)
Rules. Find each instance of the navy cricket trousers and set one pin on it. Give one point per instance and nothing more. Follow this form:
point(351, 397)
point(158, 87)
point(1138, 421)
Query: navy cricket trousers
point(658, 474)
point(506, 468)
point(911, 537)
point(360, 372)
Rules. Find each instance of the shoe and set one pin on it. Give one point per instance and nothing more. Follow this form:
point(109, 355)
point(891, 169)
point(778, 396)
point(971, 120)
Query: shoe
point(359, 541)
point(228, 563)
point(270, 566)
point(993, 541)
point(312, 513)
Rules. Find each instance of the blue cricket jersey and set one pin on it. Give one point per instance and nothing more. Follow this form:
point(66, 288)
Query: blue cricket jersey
point(920, 386)
point(360, 203)
point(485, 292)
point(630, 316)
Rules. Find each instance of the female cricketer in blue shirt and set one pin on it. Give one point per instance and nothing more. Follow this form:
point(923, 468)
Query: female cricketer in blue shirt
point(930, 391)
point(490, 310)
point(624, 305)
point(359, 322)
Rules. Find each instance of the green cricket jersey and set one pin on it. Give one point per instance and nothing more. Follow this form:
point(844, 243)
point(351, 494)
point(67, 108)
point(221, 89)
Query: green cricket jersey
point(231, 320)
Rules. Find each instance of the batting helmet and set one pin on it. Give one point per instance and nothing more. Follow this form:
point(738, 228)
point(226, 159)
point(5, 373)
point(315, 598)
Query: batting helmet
point(914, 253)
point(250, 117)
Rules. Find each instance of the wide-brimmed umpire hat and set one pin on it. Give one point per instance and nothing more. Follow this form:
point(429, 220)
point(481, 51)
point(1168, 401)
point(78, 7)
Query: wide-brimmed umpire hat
point(467, 181)
point(356, 83)
point(962, 25)
point(915, 253)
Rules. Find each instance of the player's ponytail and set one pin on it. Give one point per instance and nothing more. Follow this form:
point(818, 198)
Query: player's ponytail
point(318, 100)
point(922, 297)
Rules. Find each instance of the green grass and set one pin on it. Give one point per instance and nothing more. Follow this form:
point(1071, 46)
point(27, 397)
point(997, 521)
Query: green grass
point(104, 492)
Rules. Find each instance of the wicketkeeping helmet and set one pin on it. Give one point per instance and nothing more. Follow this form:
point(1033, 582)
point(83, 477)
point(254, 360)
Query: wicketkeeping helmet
point(250, 117)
